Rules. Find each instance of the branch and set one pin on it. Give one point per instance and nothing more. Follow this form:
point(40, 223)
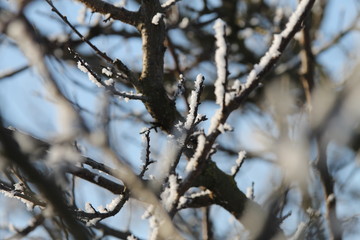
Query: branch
point(10, 191)
point(35, 222)
point(19, 29)
point(328, 183)
point(10, 73)
point(118, 64)
point(109, 84)
point(207, 174)
point(307, 62)
point(109, 231)
point(94, 178)
point(166, 5)
point(159, 105)
point(48, 188)
point(267, 62)
point(117, 13)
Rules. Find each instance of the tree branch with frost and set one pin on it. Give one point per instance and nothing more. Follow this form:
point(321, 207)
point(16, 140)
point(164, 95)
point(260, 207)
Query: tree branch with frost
point(280, 41)
point(210, 175)
point(47, 186)
point(140, 191)
point(196, 200)
point(193, 168)
point(221, 63)
point(150, 84)
point(35, 222)
point(91, 215)
point(12, 192)
point(166, 5)
point(107, 84)
point(267, 62)
point(180, 87)
point(169, 195)
point(193, 162)
point(145, 154)
point(119, 65)
point(239, 162)
point(194, 102)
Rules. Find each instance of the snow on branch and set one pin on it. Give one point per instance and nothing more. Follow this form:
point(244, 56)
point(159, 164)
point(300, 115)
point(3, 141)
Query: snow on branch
point(170, 194)
point(239, 161)
point(220, 61)
point(154, 223)
point(280, 41)
point(121, 67)
point(193, 163)
point(169, 3)
point(157, 18)
point(107, 84)
point(194, 102)
point(180, 87)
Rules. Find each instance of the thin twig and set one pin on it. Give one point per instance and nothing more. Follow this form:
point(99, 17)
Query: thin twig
point(10, 73)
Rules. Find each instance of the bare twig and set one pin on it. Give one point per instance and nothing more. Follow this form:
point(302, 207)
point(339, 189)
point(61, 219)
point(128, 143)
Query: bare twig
point(307, 62)
point(148, 161)
point(207, 229)
point(118, 13)
point(11, 73)
point(97, 179)
point(36, 221)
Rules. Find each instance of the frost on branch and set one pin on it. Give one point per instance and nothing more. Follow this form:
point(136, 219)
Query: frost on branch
point(168, 3)
point(194, 102)
point(157, 18)
point(273, 51)
point(193, 163)
point(112, 205)
point(84, 67)
point(239, 162)
point(170, 194)
point(153, 222)
point(220, 61)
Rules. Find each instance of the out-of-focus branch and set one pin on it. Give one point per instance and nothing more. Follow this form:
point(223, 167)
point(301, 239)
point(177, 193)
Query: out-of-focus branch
point(10, 73)
point(307, 61)
point(329, 194)
point(109, 231)
point(11, 151)
point(207, 228)
point(36, 221)
point(352, 27)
